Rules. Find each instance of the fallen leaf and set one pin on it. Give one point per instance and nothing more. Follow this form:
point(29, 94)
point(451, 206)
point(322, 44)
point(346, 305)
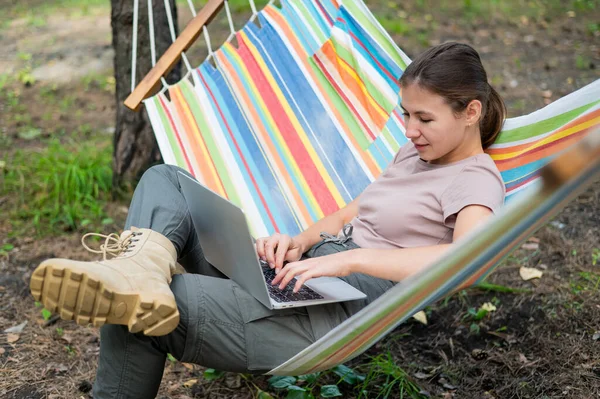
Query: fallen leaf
point(420, 317)
point(489, 307)
point(596, 336)
point(527, 273)
point(190, 383)
point(531, 246)
point(533, 239)
point(547, 93)
point(421, 376)
point(67, 338)
point(12, 338)
point(16, 329)
point(2, 350)
point(188, 366)
point(522, 358)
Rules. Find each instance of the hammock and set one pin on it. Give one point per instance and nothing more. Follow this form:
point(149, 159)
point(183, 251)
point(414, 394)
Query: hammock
point(298, 118)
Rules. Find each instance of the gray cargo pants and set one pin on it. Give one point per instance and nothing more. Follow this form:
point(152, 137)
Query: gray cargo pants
point(221, 326)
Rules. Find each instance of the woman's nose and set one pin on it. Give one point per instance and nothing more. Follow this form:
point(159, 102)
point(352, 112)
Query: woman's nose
point(412, 131)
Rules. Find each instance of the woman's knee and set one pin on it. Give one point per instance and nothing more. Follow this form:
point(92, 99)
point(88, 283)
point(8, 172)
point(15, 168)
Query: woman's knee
point(165, 171)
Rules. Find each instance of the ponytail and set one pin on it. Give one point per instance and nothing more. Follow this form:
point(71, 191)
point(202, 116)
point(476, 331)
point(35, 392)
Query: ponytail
point(454, 71)
point(491, 123)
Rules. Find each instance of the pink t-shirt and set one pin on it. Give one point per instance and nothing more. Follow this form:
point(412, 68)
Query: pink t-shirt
point(414, 203)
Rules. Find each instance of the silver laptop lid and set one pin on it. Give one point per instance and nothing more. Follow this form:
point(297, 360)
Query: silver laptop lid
point(225, 237)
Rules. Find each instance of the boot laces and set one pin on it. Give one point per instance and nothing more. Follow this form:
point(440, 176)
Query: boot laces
point(114, 245)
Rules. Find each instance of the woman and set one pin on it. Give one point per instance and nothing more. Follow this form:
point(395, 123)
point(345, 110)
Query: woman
point(437, 188)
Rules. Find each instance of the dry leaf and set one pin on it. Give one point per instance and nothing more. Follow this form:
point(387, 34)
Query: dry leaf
point(16, 329)
point(188, 366)
point(527, 273)
point(522, 358)
point(531, 246)
point(420, 317)
point(421, 376)
point(190, 383)
point(67, 338)
point(2, 350)
point(12, 338)
point(489, 307)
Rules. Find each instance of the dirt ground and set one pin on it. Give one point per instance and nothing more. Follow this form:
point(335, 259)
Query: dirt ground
point(543, 340)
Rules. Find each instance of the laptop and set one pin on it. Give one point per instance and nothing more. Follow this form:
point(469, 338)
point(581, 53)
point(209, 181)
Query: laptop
point(227, 244)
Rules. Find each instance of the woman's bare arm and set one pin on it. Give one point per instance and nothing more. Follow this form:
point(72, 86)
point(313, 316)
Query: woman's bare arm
point(397, 264)
point(331, 224)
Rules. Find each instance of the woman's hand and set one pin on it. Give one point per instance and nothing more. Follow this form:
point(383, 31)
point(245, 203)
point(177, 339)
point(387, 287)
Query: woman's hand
point(334, 265)
point(278, 248)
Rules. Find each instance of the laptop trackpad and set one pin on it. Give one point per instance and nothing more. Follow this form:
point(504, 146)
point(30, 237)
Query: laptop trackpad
point(333, 287)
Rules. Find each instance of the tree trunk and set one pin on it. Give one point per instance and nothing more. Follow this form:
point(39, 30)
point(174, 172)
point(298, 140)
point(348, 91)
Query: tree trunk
point(135, 148)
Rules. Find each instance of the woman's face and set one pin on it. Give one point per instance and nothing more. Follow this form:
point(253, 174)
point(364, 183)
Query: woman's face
point(439, 135)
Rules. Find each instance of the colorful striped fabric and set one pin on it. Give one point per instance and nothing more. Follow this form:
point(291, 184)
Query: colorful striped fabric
point(280, 128)
point(303, 114)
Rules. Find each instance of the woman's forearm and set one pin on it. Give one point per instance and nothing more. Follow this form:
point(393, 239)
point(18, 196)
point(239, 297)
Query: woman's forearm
point(331, 224)
point(395, 264)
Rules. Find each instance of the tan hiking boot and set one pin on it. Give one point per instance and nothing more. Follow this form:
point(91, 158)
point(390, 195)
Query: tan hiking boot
point(131, 289)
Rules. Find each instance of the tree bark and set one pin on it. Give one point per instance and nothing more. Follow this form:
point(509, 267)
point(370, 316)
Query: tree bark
point(135, 147)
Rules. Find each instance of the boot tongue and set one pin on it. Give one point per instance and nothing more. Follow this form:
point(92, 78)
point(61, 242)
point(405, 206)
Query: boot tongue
point(125, 234)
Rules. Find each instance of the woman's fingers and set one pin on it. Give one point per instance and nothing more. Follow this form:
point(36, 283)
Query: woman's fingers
point(282, 248)
point(260, 247)
point(270, 247)
point(290, 271)
point(282, 273)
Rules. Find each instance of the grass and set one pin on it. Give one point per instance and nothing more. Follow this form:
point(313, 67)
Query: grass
point(36, 12)
point(471, 10)
point(386, 379)
point(59, 187)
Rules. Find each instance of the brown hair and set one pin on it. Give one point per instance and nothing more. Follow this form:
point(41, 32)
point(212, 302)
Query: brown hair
point(454, 71)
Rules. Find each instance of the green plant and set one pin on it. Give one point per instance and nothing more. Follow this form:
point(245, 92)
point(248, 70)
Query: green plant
point(587, 281)
point(46, 314)
point(105, 82)
point(394, 25)
point(5, 249)
point(386, 379)
point(70, 350)
point(321, 384)
point(593, 28)
point(500, 288)
point(60, 186)
point(212, 374)
point(59, 331)
point(595, 256)
point(581, 62)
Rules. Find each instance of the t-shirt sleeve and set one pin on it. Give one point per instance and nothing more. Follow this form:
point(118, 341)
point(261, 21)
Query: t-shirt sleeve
point(475, 185)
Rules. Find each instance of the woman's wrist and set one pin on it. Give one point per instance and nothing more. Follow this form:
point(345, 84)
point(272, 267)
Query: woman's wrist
point(302, 243)
point(359, 258)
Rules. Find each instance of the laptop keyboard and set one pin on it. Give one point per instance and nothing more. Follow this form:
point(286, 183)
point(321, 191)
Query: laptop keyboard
point(287, 294)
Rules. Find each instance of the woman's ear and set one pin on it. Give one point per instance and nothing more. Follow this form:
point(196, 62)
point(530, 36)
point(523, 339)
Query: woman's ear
point(473, 112)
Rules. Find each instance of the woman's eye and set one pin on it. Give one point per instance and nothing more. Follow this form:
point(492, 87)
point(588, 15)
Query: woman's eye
point(406, 115)
point(426, 120)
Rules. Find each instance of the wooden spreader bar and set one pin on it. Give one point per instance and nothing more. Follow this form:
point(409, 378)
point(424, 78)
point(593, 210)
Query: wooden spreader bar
point(149, 85)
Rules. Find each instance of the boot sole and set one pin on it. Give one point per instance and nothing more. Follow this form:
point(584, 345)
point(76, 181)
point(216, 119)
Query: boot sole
point(76, 296)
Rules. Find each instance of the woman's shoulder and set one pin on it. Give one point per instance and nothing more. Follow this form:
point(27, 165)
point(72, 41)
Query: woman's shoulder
point(406, 151)
point(480, 175)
